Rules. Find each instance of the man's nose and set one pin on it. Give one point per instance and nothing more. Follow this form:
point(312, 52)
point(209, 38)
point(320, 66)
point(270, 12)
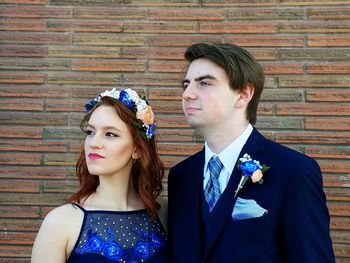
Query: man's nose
point(189, 92)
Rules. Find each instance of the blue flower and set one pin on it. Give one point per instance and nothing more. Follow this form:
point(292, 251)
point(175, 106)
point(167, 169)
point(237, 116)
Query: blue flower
point(249, 167)
point(91, 103)
point(143, 250)
point(125, 98)
point(113, 251)
point(156, 241)
point(151, 131)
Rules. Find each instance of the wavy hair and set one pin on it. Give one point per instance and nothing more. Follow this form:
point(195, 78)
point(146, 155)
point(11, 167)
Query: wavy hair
point(147, 172)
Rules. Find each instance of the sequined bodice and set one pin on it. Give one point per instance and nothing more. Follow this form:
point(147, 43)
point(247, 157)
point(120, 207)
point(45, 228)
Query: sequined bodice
point(108, 236)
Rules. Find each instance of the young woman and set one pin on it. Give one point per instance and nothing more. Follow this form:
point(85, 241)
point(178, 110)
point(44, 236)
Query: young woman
point(115, 216)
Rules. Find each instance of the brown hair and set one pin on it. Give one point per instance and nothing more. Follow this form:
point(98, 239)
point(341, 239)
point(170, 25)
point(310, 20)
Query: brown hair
point(147, 172)
point(239, 65)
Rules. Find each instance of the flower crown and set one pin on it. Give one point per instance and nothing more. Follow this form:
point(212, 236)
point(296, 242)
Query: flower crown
point(132, 100)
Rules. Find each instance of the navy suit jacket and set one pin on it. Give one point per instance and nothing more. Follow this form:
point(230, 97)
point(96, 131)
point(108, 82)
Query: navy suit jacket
point(295, 229)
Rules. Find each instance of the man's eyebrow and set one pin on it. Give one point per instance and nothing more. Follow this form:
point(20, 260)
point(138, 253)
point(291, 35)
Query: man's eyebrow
point(199, 78)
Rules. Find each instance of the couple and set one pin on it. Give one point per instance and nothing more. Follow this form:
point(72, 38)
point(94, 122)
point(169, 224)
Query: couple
point(242, 198)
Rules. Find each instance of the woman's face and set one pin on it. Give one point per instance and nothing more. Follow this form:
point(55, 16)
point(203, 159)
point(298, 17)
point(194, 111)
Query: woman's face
point(109, 146)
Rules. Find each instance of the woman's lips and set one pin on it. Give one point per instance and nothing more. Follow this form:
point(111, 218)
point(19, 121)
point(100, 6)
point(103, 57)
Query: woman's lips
point(94, 156)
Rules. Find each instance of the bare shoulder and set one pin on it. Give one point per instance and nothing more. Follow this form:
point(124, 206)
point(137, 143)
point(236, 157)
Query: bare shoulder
point(58, 234)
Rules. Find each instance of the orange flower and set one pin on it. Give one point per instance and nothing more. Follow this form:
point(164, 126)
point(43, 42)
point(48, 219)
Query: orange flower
point(257, 175)
point(146, 115)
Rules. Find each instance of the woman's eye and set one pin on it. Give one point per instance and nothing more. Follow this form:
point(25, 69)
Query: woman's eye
point(89, 132)
point(110, 134)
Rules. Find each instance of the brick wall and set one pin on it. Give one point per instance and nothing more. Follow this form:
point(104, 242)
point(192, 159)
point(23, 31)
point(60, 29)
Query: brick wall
point(55, 54)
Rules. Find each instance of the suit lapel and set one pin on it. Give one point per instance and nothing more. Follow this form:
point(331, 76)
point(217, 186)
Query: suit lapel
point(222, 212)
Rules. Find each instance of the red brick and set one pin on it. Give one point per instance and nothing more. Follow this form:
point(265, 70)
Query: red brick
point(64, 133)
point(312, 2)
point(108, 65)
point(267, 41)
point(19, 211)
point(328, 152)
point(314, 81)
point(226, 3)
point(20, 159)
point(325, 95)
point(340, 237)
point(153, 53)
point(11, 260)
point(160, 106)
point(84, 26)
point(35, 12)
point(282, 68)
point(39, 172)
point(22, 25)
point(179, 41)
point(99, 39)
point(34, 119)
point(281, 95)
point(174, 135)
point(337, 166)
point(20, 224)
point(52, 199)
point(83, 52)
point(165, 94)
point(334, 68)
point(342, 124)
point(166, 121)
point(33, 91)
point(340, 223)
point(322, 54)
point(185, 14)
point(321, 138)
point(238, 27)
point(110, 13)
point(314, 27)
point(152, 3)
point(15, 251)
point(179, 149)
point(337, 194)
point(278, 123)
point(153, 79)
point(22, 104)
point(20, 132)
point(263, 53)
point(170, 161)
point(19, 186)
point(341, 250)
point(34, 64)
point(328, 41)
point(64, 159)
point(160, 27)
point(33, 146)
point(25, 2)
point(88, 93)
point(65, 105)
point(167, 66)
point(339, 210)
point(17, 78)
point(30, 38)
point(336, 181)
point(327, 109)
point(265, 13)
point(63, 186)
point(22, 51)
point(328, 13)
point(78, 78)
point(13, 238)
point(265, 109)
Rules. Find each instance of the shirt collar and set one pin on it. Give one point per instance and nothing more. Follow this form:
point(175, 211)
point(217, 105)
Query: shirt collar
point(230, 154)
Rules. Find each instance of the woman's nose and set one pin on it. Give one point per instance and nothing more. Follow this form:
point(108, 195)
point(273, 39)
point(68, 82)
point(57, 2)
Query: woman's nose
point(96, 142)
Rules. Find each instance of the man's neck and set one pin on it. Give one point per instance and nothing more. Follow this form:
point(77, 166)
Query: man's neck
point(219, 139)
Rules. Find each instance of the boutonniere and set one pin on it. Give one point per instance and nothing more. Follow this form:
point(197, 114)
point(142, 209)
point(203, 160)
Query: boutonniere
point(250, 169)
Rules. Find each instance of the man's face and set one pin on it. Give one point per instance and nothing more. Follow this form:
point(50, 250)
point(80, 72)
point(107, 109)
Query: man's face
point(207, 99)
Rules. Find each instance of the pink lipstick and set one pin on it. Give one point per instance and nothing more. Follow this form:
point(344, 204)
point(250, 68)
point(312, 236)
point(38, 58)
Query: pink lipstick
point(94, 156)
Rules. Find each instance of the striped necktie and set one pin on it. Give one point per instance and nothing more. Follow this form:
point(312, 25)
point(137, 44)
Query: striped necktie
point(212, 190)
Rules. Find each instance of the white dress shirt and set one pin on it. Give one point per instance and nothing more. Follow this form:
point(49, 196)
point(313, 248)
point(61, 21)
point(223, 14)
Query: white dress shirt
point(228, 157)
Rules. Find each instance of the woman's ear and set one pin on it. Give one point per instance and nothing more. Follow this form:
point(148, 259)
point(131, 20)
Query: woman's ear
point(136, 153)
point(245, 96)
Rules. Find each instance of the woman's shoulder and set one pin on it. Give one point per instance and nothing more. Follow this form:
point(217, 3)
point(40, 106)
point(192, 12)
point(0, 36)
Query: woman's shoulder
point(63, 215)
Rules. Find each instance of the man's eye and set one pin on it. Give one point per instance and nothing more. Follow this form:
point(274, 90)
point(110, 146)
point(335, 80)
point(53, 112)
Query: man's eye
point(204, 83)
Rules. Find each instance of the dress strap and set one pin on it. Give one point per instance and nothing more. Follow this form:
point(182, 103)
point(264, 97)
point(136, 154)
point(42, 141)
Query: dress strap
point(79, 206)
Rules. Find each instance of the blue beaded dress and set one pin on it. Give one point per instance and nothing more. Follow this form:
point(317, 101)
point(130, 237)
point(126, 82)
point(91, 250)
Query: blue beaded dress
point(119, 236)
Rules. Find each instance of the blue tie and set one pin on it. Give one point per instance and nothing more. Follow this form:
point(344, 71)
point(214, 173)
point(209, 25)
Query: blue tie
point(212, 190)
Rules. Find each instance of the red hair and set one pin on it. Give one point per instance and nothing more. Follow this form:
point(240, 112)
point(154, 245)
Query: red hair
point(147, 172)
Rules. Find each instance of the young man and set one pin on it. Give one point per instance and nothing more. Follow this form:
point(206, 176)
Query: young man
point(213, 215)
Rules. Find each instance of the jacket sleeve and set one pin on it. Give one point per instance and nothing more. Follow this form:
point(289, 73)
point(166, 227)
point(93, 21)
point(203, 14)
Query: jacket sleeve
point(305, 216)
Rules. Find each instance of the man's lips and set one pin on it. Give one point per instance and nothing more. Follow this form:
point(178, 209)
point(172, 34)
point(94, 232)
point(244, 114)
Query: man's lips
point(94, 156)
point(191, 109)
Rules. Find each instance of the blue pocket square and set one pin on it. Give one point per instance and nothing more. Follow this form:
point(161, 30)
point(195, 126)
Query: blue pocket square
point(247, 208)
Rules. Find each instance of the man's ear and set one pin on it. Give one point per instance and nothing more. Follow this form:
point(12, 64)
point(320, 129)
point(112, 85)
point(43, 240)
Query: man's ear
point(245, 96)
